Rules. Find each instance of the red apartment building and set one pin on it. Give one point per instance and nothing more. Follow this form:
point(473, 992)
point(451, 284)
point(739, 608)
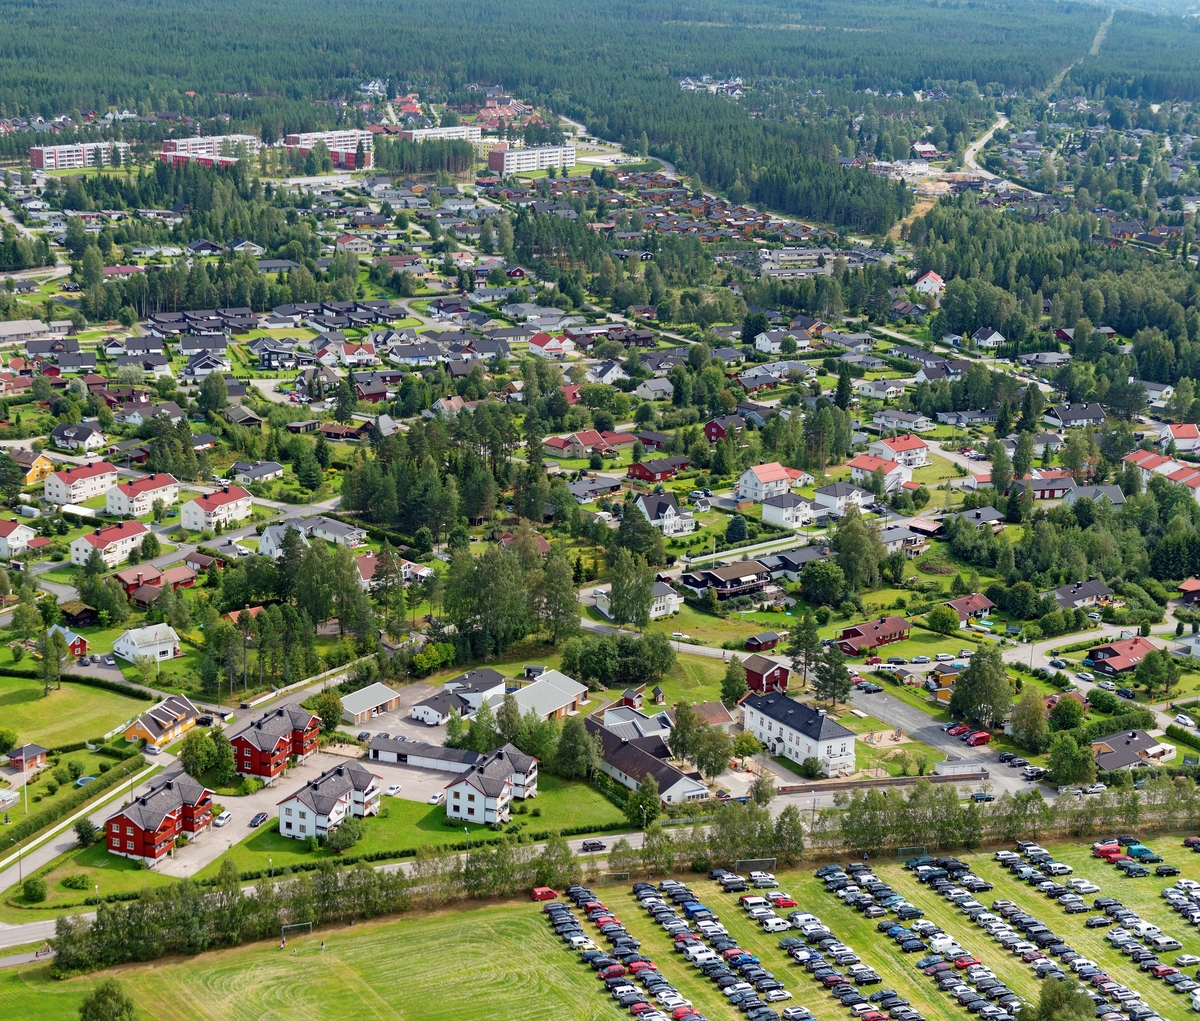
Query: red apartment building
point(657, 471)
point(147, 827)
point(263, 748)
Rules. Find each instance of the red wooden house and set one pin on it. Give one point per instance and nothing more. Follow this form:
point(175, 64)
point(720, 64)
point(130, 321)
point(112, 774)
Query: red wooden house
point(27, 757)
point(764, 675)
point(719, 428)
point(657, 471)
point(147, 827)
point(861, 638)
point(263, 747)
point(761, 643)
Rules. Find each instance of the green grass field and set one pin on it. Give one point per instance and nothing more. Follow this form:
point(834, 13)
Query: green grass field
point(75, 713)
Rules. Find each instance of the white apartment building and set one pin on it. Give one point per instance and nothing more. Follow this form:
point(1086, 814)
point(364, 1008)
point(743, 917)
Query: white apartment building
point(460, 132)
point(74, 485)
point(76, 157)
point(542, 157)
point(349, 789)
point(115, 543)
point(14, 538)
point(798, 731)
point(341, 140)
point(136, 499)
point(224, 506)
point(212, 145)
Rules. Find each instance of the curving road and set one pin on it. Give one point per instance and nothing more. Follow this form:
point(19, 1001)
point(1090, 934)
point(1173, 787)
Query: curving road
point(979, 143)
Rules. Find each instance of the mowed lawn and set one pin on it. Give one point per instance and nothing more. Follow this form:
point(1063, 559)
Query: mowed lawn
point(75, 713)
point(472, 963)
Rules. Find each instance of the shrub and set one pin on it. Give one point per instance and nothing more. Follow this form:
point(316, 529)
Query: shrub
point(105, 767)
point(249, 785)
point(75, 768)
point(51, 787)
point(78, 881)
point(61, 775)
point(34, 890)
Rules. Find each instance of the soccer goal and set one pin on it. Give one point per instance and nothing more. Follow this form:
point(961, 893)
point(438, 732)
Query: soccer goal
point(754, 865)
point(295, 929)
point(916, 851)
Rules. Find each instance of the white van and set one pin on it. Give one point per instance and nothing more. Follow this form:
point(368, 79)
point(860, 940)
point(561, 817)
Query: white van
point(700, 960)
point(750, 903)
point(775, 924)
point(1160, 944)
point(1144, 929)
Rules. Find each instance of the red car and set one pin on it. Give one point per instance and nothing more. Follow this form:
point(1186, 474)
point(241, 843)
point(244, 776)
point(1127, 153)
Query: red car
point(874, 661)
point(873, 1015)
point(733, 952)
point(1191, 841)
point(679, 1013)
point(612, 971)
point(1163, 970)
point(637, 967)
point(639, 1008)
point(544, 893)
point(965, 962)
point(958, 730)
point(783, 902)
point(978, 738)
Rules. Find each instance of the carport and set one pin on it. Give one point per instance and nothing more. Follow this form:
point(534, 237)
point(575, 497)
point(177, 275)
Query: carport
point(369, 702)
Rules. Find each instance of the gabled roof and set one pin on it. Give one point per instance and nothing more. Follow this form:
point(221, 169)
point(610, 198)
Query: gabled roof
point(162, 798)
point(86, 471)
point(276, 724)
point(230, 494)
point(869, 462)
point(797, 716)
point(323, 793)
point(635, 763)
point(969, 606)
point(909, 441)
point(148, 484)
point(102, 538)
point(167, 713)
point(367, 698)
point(770, 472)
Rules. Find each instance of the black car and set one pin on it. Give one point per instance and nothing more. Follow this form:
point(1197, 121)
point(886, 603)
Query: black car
point(262, 817)
point(1166, 870)
point(1007, 756)
point(1125, 692)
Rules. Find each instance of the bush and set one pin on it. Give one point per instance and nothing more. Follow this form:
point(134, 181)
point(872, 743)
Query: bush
point(34, 890)
point(51, 787)
point(105, 767)
point(1103, 701)
point(249, 785)
point(78, 881)
point(61, 775)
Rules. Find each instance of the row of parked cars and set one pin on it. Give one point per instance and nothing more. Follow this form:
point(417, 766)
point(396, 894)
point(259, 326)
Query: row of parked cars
point(706, 944)
point(630, 978)
point(1136, 858)
point(1048, 953)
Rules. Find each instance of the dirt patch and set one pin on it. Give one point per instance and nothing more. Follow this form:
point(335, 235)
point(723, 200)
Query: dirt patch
point(349, 751)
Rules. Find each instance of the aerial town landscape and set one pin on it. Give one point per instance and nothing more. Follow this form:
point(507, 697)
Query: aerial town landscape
point(562, 513)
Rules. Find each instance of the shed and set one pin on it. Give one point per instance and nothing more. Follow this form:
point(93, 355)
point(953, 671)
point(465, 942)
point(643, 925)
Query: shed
point(365, 704)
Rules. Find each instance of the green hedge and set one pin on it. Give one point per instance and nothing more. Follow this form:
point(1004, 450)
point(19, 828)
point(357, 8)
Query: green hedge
point(1139, 719)
point(1183, 736)
point(66, 804)
point(120, 687)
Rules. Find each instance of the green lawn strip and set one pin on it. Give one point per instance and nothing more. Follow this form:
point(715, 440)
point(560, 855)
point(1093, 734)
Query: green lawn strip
point(1140, 894)
point(519, 971)
point(74, 713)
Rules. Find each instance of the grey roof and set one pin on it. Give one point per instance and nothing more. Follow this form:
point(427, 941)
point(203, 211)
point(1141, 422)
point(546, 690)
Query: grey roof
point(1113, 493)
point(549, 693)
point(657, 504)
point(661, 588)
point(484, 679)
point(978, 517)
point(444, 702)
point(633, 761)
point(1125, 748)
point(1067, 595)
point(798, 716)
point(161, 799)
point(787, 500)
point(839, 489)
point(323, 793)
point(494, 771)
point(330, 525)
point(265, 732)
point(167, 713)
point(367, 698)
point(256, 471)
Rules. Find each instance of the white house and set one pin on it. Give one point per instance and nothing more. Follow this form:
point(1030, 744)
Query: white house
point(74, 485)
point(158, 641)
point(484, 793)
point(629, 765)
point(909, 450)
point(665, 601)
point(85, 436)
point(232, 503)
point(553, 696)
point(545, 346)
point(864, 466)
point(477, 686)
point(14, 538)
point(762, 481)
point(879, 389)
point(798, 731)
point(930, 283)
point(911, 421)
point(986, 337)
point(665, 514)
point(270, 543)
point(1186, 437)
point(606, 372)
point(655, 389)
point(322, 804)
point(114, 542)
point(837, 498)
point(136, 499)
point(771, 341)
point(788, 510)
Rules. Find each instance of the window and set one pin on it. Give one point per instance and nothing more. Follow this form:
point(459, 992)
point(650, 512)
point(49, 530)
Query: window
point(128, 845)
point(470, 797)
point(470, 811)
point(843, 747)
point(829, 749)
point(287, 811)
point(287, 826)
point(129, 831)
point(303, 829)
point(303, 815)
point(457, 795)
point(116, 827)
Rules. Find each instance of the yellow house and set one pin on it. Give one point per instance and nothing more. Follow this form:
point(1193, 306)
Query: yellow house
point(166, 722)
point(36, 466)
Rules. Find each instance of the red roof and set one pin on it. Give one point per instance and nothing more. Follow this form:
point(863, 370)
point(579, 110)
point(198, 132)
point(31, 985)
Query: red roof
point(772, 472)
point(221, 497)
point(8, 527)
point(38, 542)
point(1185, 432)
point(968, 606)
point(102, 538)
point(1190, 585)
point(869, 462)
point(148, 484)
point(589, 438)
point(366, 566)
point(543, 340)
point(615, 439)
point(1124, 654)
point(557, 442)
point(909, 441)
point(85, 471)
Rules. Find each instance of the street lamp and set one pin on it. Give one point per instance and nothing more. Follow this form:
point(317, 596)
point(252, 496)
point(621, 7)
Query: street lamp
point(468, 834)
point(271, 868)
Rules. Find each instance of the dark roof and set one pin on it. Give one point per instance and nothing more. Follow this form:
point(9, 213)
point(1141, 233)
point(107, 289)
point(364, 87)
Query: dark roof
point(162, 798)
point(633, 761)
point(494, 771)
point(265, 732)
point(656, 505)
point(324, 792)
point(798, 716)
point(476, 680)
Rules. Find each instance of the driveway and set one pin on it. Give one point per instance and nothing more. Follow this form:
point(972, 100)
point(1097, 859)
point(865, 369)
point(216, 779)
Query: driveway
point(210, 845)
point(922, 727)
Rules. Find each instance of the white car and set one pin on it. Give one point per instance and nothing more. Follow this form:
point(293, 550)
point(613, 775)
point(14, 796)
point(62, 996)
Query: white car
point(392, 791)
point(1083, 675)
point(679, 634)
point(1184, 720)
point(1096, 788)
point(222, 819)
point(775, 995)
point(436, 798)
point(1106, 685)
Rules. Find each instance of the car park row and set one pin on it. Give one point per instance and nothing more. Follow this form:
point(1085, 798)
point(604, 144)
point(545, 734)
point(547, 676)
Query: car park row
point(1037, 944)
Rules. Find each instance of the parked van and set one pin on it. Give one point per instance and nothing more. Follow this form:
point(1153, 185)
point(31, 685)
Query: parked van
point(775, 924)
point(1160, 944)
point(943, 657)
point(749, 901)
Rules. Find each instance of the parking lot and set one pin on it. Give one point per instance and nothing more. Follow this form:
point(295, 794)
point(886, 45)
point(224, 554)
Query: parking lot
point(415, 784)
point(399, 722)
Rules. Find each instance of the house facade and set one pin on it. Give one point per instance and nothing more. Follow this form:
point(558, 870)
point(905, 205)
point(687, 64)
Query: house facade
point(763, 481)
point(484, 793)
point(226, 505)
point(909, 450)
point(864, 466)
point(158, 641)
point(765, 675)
point(136, 499)
point(788, 511)
point(665, 514)
point(170, 719)
point(146, 828)
point(15, 537)
point(262, 748)
point(665, 602)
point(74, 485)
point(1116, 658)
point(863, 638)
point(115, 543)
point(737, 579)
point(346, 790)
point(798, 731)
